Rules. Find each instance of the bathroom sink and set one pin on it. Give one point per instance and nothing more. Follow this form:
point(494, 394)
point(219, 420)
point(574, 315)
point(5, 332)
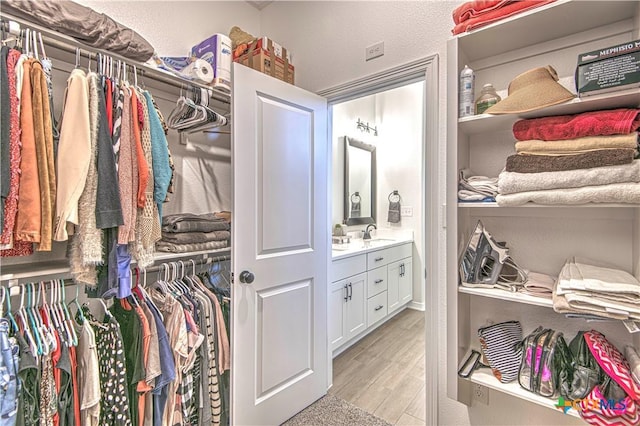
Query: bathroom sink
point(377, 242)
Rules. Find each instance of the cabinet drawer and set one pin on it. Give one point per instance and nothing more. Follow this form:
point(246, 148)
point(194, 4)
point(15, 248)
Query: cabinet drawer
point(376, 308)
point(382, 257)
point(347, 267)
point(376, 281)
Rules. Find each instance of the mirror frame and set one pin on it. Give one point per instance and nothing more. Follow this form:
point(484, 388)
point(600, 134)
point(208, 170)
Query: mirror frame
point(372, 149)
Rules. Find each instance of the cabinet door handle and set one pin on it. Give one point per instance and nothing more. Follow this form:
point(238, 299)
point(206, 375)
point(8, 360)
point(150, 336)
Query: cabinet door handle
point(350, 291)
point(378, 259)
point(379, 307)
point(402, 270)
point(346, 293)
point(378, 281)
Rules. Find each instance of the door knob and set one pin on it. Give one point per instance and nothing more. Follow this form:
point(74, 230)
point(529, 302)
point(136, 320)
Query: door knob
point(246, 277)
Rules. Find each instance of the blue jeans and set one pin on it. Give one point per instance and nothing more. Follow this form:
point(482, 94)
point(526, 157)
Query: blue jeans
point(8, 376)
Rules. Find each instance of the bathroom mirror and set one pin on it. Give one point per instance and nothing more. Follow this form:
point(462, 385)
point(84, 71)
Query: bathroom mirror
point(359, 182)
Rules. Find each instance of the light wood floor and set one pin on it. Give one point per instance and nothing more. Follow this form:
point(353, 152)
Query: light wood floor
point(384, 373)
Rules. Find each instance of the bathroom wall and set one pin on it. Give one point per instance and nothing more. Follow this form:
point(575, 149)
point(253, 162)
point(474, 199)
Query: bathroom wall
point(397, 114)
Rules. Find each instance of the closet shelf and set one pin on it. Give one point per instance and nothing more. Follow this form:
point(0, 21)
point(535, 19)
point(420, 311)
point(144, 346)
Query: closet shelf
point(481, 205)
point(496, 293)
point(558, 20)
point(65, 48)
point(26, 272)
point(484, 123)
point(485, 378)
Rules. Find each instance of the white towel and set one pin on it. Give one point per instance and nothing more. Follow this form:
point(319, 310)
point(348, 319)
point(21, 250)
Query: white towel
point(612, 193)
point(512, 182)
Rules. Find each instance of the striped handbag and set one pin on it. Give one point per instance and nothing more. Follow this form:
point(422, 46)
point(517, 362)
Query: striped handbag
point(501, 347)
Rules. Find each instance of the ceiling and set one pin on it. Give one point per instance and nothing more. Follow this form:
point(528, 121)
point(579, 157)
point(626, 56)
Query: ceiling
point(259, 4)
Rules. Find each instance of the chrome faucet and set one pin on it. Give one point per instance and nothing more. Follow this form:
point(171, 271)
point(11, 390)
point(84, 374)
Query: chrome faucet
point(367, 234)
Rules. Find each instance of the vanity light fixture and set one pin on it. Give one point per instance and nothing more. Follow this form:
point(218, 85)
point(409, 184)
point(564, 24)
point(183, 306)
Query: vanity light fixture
point(364, 127)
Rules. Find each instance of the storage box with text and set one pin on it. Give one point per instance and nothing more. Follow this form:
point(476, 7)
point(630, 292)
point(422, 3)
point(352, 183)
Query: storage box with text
point(609, 69)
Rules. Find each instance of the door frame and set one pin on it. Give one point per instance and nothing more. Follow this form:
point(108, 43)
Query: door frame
point(425, 69)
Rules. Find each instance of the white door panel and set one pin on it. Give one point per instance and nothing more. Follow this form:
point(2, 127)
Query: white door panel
point(281, 235)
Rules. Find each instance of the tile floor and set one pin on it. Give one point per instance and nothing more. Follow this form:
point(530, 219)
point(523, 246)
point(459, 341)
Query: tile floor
point(384, 373)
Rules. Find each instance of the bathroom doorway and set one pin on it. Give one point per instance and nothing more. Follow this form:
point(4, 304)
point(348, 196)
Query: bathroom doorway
point(384, 371)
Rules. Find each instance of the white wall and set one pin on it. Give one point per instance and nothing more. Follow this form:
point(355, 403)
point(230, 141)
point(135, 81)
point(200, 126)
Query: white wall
point(173, 27)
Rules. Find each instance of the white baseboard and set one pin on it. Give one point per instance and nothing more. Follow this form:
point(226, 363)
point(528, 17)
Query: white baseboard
point(418, 306)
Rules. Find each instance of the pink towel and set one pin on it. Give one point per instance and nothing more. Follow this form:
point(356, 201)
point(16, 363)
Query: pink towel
point(593, 123)
point(493, 15)
point(473, 9)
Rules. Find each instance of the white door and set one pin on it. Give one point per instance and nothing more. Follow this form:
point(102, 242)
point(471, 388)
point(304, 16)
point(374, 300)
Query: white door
point(393, 290)
point(280, 243)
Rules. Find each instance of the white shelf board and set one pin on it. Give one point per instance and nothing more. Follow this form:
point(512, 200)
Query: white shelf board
point(496, 293)
point(483, 123)
point(542, 24)
point(482, 205)
point(484, 377)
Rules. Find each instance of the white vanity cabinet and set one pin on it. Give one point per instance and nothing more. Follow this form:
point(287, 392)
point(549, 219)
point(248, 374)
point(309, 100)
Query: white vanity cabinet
point(367, 288)
point(347, 300)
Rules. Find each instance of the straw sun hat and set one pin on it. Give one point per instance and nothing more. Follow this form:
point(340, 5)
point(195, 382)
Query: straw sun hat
point(532, 90)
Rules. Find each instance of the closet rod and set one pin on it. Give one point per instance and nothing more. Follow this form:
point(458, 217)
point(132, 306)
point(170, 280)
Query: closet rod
point(68, 44)
point(187, 263)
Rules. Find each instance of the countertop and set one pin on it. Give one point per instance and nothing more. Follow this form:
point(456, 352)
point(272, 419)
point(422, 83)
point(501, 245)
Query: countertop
point(380, 239)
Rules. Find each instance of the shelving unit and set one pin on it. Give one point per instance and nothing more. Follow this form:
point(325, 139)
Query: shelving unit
point(540, 237)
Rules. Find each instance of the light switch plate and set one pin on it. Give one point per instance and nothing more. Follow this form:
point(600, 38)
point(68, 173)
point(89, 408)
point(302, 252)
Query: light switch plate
point(406, 211)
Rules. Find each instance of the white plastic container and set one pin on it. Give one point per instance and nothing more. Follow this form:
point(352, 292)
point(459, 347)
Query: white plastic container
point(467, 89)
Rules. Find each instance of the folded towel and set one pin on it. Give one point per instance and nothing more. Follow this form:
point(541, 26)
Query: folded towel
point(538, 284)
point(588, 275)
point(195, 237)
point(473, 9)
point(473, 185)
point(520, 163)
point(613, 193)
point(510, 182)
point(185, 248)
point(493, 15)
point(578, 145)
point(593, 123)
point(186, 222)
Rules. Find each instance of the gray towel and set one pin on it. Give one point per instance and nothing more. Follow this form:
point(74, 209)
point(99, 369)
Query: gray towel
point(355, 209)
point(394, 212)
point(546, 163)
point(185, 248)
point(187, 222)
point(195, 237)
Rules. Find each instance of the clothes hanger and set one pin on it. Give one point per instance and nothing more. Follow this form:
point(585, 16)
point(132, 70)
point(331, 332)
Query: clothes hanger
point(51, 323)
point(21, 314)
point(79, 313)
point(7, 294)
point(70, 331)
point(27, 311)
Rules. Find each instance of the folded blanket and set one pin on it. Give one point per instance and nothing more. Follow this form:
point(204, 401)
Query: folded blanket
point(186, 222)
point(510, 182)
point(613, 193)
point(593, 123)
point(195, 237)
point(561, 305)
point(185, 248)
point(475, 8)
point(497, 14)
point(586, 275)
point(578, 145)
point(520, 163)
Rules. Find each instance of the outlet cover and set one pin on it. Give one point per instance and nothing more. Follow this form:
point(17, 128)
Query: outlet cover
point(374, 51)
point(481, 394)
point(406, 211)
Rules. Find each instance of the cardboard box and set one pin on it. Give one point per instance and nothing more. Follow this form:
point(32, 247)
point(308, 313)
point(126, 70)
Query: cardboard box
point(217, 51)
point(610, 69)
point(269, 58)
